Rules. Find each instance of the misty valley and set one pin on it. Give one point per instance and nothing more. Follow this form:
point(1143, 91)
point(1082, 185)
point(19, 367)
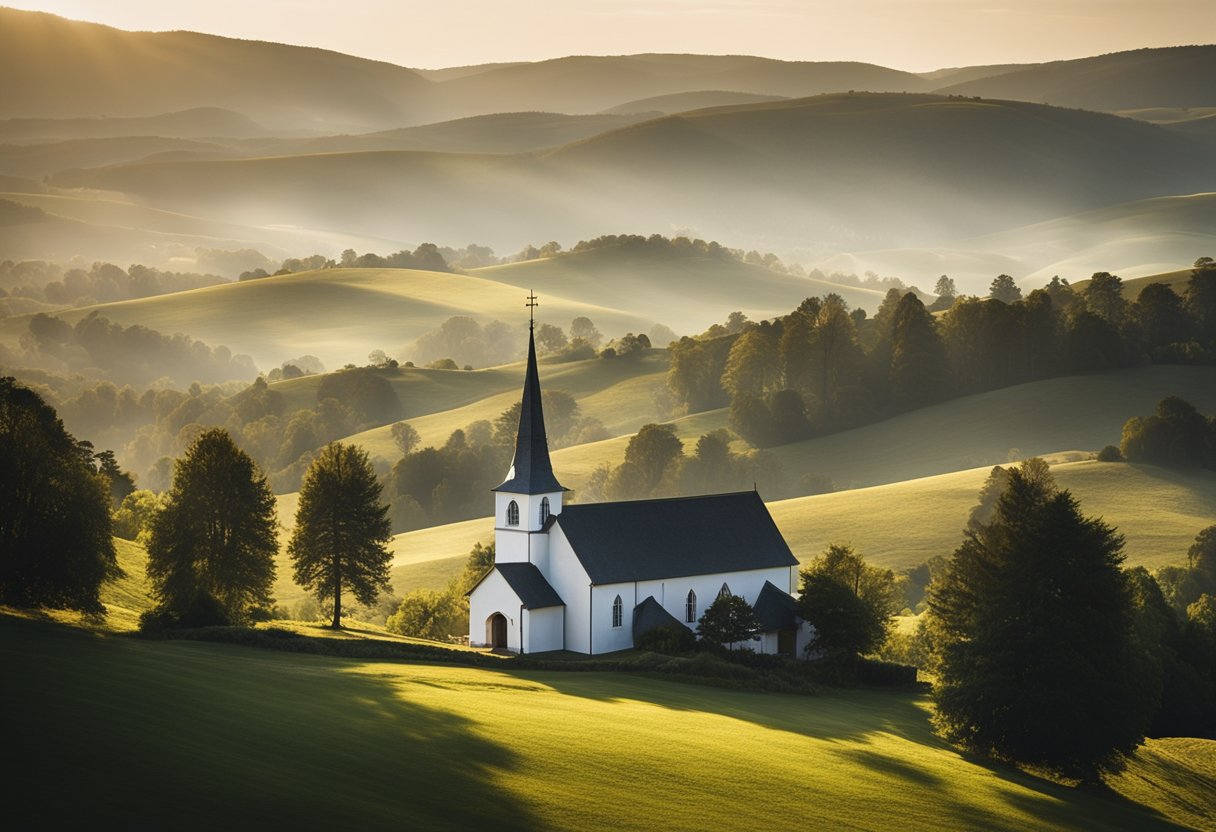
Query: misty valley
point(945, 340)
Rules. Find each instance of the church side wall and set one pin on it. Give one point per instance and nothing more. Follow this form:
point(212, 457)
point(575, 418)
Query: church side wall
point(494, 595)
point(544, 629)
point(609, 639)
point(672, 593)
point(567, 576)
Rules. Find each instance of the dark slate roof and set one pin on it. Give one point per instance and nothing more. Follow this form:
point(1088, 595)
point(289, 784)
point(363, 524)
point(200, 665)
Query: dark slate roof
point(531, 472)
point(642, 540)
point(775, 608)
point(530, 585)
point(650, 615)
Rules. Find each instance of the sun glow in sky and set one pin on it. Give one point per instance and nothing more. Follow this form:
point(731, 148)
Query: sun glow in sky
point(917, 35)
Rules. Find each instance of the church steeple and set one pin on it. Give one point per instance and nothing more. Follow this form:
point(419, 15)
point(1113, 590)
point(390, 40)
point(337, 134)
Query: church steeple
point(531, 471)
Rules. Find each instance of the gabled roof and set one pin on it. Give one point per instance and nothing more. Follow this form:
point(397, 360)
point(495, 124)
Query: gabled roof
point(529, 585)
point(650, 615)
point(643, 540)
point(775, 608)
point(531, 472)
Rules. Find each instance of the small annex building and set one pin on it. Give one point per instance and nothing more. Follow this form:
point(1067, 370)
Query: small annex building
point(591, 577)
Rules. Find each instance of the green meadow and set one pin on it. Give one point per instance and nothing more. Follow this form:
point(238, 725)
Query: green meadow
point(192, 735)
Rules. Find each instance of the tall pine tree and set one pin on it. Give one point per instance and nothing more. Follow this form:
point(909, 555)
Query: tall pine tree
point(1032, 631)
point(341, 529)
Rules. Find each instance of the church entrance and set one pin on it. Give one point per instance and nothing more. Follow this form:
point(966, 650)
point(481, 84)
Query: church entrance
point(496, 631)
point(786, 639)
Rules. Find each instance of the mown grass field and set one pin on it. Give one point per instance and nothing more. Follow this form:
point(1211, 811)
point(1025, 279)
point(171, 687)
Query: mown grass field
point(192, 735)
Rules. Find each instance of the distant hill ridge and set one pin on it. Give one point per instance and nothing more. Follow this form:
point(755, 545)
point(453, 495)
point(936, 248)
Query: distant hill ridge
point(71, 69)
point(800, 169)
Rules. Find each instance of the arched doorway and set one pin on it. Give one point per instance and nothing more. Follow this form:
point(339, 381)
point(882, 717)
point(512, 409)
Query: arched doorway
point(496, 631)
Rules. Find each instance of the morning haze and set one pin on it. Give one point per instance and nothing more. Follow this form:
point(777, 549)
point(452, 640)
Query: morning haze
point(621, 415)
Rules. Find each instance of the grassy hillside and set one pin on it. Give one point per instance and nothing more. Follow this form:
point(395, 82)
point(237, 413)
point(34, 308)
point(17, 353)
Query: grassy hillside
point(617, 392)
point(1043, 417)
point(689, 291)
point(1075, 412)
point(906, 523)
point(339, 315)
point(1178, 76)
point(375, 744)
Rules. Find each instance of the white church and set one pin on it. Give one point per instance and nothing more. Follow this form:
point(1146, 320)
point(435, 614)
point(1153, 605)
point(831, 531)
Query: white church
point(590, 578)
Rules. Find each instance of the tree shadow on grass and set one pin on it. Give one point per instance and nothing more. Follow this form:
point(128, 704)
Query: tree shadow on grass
point(850, 719)
point(173, 735)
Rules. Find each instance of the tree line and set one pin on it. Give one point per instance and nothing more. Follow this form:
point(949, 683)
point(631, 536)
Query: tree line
point(824, 368)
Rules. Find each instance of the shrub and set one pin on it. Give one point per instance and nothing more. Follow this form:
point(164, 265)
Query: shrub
point(669, 640)
point(1110, 454)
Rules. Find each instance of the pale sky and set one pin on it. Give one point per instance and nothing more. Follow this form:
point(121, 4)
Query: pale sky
point(916, 35)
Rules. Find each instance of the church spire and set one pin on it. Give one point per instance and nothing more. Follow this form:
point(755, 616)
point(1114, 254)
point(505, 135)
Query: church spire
point(531, 471)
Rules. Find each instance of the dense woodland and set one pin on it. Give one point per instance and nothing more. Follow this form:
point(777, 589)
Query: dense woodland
point(824, 368)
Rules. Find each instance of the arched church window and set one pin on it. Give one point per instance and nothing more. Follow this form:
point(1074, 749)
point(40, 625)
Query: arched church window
point(724, 591)
point(512, 513)
point(690, 607)
point(544, 510)
point(618, 612)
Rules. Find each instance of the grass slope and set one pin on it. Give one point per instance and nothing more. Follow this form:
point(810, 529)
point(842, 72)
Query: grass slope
point(204, 735)
point(338, 315)
point(1042, 417)
point(617, 392)
point(686, 293)
point(906, 523)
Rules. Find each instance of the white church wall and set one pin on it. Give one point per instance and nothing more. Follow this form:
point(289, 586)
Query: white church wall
point(514, 544)
point(544, 629)
point(672, 593)
point(567, 576)
point(609, 639)
point(494, 595)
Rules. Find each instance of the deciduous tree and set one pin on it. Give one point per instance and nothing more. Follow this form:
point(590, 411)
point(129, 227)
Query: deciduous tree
point(216, 536)
point(341, 530)
point(55, 544)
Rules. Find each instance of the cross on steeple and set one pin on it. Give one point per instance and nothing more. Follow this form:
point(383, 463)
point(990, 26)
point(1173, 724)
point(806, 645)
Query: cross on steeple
point(531, 304)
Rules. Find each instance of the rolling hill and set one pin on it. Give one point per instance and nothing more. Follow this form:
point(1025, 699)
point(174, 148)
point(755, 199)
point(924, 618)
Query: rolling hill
point(680, 102)
point(1133, 239)
point(580, 84)
point(920, 519)
point(830, 172)
point(197, 123)
point(1177, 76)
point(368, 743)
point(338, 315)
point(69, 69)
